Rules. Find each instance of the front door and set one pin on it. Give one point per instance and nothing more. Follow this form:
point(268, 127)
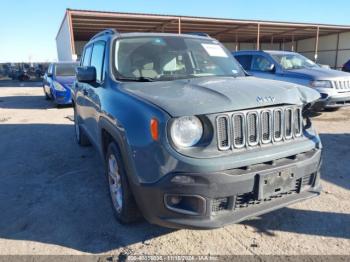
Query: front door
point(91, 91)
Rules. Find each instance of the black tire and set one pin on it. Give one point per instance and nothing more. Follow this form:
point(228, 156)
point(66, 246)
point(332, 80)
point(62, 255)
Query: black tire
point(317, 108)
point(333, 109)
point(80, 136)
point(128, 212)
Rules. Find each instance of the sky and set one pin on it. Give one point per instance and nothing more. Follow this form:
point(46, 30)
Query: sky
point(28, 27)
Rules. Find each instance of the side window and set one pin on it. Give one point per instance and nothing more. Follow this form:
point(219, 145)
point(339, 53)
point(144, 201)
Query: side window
point(245, 61)
point(261, 63)
point(87, 55)
point(97, 59)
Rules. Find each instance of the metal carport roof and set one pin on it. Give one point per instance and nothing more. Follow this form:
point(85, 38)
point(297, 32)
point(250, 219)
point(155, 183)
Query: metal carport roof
point(83, 24)
point(87, 23)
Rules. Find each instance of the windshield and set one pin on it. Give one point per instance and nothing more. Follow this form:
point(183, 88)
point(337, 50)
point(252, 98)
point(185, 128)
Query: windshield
point(170, 57)
point(293, 61)
point(65, 69)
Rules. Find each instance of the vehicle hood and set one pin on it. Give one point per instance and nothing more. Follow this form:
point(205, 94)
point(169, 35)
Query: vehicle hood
point(208, 95)
point(317, 73)
point(66, 80)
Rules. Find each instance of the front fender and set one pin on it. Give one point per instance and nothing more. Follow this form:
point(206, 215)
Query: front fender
point(308, 94)
point(117, 132)
point(127, 120)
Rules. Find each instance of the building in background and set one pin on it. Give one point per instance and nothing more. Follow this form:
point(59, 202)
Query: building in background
point(326, 44)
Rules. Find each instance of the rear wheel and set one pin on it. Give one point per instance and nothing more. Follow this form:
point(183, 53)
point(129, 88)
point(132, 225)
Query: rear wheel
point(124, 205)
point(80, 136)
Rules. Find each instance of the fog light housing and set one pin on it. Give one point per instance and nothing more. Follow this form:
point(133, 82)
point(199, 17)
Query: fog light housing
point(185, 204)
point(323, 95)
point(175, 200)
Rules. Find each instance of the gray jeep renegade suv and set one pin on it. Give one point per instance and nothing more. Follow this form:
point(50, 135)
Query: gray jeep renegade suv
point(187, 139)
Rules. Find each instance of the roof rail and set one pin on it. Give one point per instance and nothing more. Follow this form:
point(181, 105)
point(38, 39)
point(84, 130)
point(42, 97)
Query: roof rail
point(109, 31)
point(198, 34)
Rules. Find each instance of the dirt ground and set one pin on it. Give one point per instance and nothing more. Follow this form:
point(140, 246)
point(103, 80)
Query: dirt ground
point(54, 197)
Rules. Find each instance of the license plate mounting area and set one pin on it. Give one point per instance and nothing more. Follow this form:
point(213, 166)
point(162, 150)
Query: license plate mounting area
point(275, 183)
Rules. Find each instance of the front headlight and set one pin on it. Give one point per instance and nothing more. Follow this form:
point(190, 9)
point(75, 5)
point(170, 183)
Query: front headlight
point(58, 86)
point(186, 131)
point(321, 84)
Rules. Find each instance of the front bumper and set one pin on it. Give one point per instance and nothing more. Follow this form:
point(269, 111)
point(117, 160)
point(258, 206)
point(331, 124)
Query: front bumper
point(228, 196)
point(334, 99)
point(63, 97)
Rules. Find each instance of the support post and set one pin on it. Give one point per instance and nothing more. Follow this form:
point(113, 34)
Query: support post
point(316, 43)
point(236, 42)
point(336, 52)
point(271, 42)
point(292, 43)
point(258, 38)
point(179, 25)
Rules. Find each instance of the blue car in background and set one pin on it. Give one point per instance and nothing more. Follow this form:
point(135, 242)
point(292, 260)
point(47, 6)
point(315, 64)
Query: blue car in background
point(58, 82)
point(333, 85)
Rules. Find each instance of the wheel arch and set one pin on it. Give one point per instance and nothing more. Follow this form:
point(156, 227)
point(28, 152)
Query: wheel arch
point(112, 132)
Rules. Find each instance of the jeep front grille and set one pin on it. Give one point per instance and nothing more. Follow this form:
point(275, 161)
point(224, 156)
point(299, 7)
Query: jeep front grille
point(252, 128)
point(277, 124)
point(266, 131)
point(238, 130)
point(288, 116)
point(341, 85)
point(223, 132)
point(298, 122)
point(255, 127)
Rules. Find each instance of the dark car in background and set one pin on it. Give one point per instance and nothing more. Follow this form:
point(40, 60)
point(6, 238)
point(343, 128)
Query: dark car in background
point(58, 81)
point(346, 67)
point(333, 85)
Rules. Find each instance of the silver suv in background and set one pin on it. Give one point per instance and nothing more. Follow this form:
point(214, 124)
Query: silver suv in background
point(333, 85)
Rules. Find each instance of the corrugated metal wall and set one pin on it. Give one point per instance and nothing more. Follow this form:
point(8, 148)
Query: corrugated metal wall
point(327, 53)
point(63, 42)
point(333, 50)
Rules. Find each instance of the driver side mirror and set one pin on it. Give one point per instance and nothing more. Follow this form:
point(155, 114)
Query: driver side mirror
point(86, 74)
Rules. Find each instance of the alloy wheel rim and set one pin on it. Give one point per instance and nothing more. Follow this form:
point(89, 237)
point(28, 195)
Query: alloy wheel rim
point(115, 185)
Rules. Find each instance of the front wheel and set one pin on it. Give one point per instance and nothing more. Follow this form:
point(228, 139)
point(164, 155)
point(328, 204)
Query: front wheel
point(80, 136)
point(124, 205)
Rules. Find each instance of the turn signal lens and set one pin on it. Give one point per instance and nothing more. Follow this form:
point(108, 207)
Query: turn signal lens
point(154, 129)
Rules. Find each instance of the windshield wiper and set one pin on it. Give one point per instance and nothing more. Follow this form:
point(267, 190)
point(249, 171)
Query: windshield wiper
point(136, 79)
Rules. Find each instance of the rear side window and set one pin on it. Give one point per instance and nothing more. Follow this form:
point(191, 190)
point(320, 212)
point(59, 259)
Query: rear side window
point(87, 55)
point(65, 69)
point(261, 63)
point(97, 59)
point(245, 61)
